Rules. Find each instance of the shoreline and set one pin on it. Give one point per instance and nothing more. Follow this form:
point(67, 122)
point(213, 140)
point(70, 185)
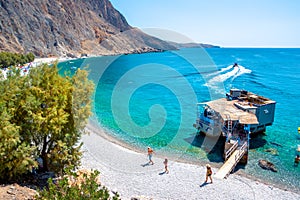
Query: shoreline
point(130, 169)
point(37, 62)
point(102, 132)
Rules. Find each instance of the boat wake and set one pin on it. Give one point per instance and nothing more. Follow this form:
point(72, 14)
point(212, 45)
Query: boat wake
point(242, 71)
point(224, 77)
point(220, 71)
point(215, 79)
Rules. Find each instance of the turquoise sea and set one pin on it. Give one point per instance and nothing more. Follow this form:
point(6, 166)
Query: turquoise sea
point(150, 100)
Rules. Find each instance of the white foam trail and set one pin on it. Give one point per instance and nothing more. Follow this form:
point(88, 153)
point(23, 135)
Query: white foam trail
point(214, 82)
point(221, 70)
point(226, 68)
point(223, 77)
point(242, 70)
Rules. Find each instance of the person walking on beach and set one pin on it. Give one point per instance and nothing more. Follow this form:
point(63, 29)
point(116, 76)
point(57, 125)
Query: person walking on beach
point(150, 153)
point(297, 160)
point(208, 173)
point(166, 165)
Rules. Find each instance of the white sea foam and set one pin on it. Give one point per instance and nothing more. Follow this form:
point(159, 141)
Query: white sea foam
point(223, 77)
point(231, 72)
point(221, 70)
point(242, 70)
point(226, 68)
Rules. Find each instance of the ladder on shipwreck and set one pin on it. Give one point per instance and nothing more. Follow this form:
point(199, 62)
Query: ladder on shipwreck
point(235, 154)
point(229, 128)
point(229, 125)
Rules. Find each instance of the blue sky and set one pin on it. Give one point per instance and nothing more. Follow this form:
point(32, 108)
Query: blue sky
point(228, 23)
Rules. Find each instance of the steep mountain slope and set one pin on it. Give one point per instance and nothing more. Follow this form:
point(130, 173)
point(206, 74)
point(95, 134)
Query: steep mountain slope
point(61, 27)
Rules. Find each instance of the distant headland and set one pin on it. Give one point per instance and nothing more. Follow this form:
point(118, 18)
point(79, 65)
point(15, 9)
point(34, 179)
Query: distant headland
point(192, 45)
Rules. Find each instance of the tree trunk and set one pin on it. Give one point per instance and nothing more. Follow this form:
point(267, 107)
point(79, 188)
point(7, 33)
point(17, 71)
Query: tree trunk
point(44, 154)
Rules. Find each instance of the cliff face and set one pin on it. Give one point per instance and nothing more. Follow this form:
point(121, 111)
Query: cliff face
point(61, 27)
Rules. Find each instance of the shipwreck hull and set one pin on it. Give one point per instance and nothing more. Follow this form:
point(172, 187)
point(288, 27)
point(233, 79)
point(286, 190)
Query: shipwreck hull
point(212, 130)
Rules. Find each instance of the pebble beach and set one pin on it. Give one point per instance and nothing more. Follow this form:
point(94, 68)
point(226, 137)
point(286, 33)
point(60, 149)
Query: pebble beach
point(127, 172)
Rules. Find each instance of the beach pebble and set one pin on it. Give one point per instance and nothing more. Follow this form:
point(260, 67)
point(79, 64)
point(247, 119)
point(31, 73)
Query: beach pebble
point(11, 192)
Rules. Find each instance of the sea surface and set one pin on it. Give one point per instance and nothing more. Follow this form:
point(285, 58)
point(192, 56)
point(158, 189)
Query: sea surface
point(150, 100)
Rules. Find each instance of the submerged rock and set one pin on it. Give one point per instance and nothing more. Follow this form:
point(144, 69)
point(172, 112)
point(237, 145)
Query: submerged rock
point(276, 144)
point(272, 151)
point(267, 165)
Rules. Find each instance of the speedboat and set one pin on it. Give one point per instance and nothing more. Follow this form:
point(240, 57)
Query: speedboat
point(73, 68)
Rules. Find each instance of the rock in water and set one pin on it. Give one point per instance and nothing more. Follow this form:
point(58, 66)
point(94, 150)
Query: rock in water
point(276, 144)
point(267, 165)
point(272, 151)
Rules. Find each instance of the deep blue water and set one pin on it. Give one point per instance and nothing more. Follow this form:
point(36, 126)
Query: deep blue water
point(150, 100)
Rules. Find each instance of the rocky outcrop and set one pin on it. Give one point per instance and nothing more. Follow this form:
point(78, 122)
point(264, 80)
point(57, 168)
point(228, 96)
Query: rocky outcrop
point(54, 27)
point(15, 191)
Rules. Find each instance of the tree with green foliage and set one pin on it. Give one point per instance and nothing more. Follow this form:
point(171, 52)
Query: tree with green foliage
point(75, 186)
point(30, 57)
point(42, 115)
point(8, 59)
point(15, 154)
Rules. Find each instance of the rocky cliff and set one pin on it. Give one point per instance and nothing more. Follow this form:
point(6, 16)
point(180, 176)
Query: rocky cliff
point(66, 27)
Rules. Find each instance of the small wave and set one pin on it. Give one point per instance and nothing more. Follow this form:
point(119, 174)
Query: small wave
point(239, 59)
point(259, 83)
point(258, 56)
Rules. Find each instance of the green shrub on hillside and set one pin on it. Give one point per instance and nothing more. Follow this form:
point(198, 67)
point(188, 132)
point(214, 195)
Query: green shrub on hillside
point(73, 186)
point(8, 59)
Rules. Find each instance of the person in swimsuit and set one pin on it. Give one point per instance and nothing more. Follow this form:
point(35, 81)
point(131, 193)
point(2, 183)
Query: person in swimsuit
point(166, 165)
point(150, 153)
point(208, 173)
point(297, 160)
